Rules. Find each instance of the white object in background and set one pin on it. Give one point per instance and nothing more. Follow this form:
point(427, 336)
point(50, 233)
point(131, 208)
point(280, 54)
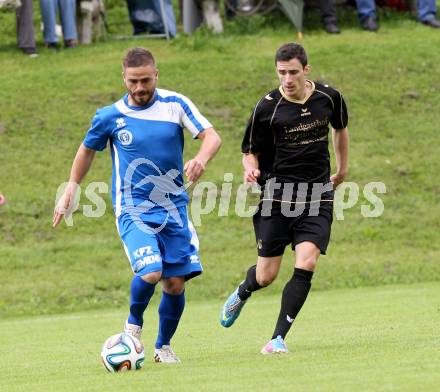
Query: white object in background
point(9, 4)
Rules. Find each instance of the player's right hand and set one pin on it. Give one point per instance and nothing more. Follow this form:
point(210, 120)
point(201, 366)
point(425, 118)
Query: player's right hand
point(194, 168)
point(64, 204)
point(251, 175)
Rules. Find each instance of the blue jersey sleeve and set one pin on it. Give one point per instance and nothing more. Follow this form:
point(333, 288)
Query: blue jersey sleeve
point(98, 134)
point(191, 118)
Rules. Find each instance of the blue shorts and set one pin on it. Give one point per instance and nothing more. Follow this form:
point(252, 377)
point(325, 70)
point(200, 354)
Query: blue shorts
point(161, 242)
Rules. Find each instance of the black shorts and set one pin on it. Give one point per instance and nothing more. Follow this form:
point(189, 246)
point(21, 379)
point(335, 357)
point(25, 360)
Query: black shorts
point(273, 233)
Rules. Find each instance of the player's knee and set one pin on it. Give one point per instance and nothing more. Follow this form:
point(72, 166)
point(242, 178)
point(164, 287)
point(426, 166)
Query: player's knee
point(173, 286)
point(265, 279)
point(175, 290)
point(307, 263)
point(152, 277)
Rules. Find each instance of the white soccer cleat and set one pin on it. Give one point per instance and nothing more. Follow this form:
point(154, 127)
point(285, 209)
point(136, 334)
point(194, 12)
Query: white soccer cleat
point(275, 346)
point(165, 355)
point(133, 330)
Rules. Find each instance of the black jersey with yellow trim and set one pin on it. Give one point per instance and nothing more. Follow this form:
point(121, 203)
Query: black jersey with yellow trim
point(291, 137)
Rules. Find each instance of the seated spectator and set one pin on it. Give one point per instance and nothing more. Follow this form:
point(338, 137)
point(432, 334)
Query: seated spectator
point(67, 10)
point(426, 14)
point(146, 17)
point(326, 7)
point(25, 28)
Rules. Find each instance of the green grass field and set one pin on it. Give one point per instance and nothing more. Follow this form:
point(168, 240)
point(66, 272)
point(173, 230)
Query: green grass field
point(371, 323)
point(369, 339)
point(46, 106)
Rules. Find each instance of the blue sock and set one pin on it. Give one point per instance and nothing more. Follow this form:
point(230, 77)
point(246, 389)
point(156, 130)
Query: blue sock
point(140, 294)
point(170, 310)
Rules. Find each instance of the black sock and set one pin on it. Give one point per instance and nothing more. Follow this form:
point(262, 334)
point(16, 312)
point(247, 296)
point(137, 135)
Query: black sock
point(249, 285)
point(294, 295)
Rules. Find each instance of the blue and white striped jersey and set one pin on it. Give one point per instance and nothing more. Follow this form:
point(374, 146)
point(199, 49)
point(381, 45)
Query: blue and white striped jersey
point(146, 148)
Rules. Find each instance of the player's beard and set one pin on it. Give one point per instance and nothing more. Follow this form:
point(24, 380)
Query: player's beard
point(141, 98)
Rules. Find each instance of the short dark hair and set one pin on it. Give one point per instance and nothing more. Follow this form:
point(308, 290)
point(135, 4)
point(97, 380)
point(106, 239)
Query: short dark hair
point(137, 57)
point(291, 51)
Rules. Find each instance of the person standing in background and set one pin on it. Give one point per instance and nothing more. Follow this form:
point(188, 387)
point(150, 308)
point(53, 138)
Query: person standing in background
point(67, 9)
point(25, 29)
point(328, 16)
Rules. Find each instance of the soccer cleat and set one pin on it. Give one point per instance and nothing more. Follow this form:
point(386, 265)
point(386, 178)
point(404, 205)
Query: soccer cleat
point(275, 346)
point(133, 330)
point(165, 355)
point(231, 309)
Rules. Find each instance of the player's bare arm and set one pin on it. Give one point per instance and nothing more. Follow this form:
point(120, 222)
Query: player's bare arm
point(341, 143)
point(211, 143)
point(251, 168)
point(80, 167)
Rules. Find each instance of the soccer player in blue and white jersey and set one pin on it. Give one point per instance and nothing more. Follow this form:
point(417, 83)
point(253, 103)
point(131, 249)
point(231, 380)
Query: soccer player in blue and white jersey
point(145, 133)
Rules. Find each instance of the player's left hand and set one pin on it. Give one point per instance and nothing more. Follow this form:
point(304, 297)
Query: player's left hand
point(194, 168)
point(337, 179)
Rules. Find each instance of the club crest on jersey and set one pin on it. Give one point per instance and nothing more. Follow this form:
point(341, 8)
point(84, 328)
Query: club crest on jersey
point(194, 259)
point(125, 137)
point(120, 122)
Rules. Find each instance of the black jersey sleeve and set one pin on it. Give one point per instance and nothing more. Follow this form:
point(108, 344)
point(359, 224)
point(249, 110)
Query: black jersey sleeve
point(339, 119)
point(255, 133)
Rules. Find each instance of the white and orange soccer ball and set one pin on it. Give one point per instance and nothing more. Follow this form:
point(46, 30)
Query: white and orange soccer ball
point(122, 352)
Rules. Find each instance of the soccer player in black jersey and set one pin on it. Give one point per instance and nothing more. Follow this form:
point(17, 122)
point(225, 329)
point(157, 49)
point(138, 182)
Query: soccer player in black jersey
point(285, 149)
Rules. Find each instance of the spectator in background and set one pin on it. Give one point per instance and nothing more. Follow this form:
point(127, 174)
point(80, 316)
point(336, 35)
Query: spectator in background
point(25, 30)
point(367, 14)
point(146, 17)
point(67, 9)
point(328, 16)
point(2, 199)
point(426, 13)
point(326, 7)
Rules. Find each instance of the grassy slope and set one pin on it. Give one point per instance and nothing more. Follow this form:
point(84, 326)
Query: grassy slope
point(381, 339)
point(392, 88)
